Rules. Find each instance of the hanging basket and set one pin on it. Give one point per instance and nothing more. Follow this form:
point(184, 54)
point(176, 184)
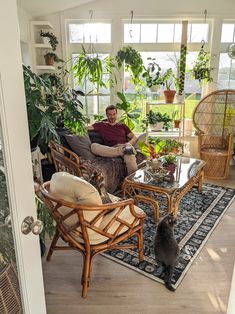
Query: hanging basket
point(10, 300)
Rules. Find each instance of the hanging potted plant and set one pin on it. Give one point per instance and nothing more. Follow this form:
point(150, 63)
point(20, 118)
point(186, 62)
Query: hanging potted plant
point(133, 62)
point(201, 70)
point(90, 67)
point(50, 38)
point(152, 75)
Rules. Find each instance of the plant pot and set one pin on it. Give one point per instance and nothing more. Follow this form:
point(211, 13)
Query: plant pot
point(169, 96)
point(170, 167)
point(177, 124)
point(179, 98)
point(49, 60)
point(157, 127)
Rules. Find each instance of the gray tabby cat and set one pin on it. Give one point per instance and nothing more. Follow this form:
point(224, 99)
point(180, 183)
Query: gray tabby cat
point(166, 248)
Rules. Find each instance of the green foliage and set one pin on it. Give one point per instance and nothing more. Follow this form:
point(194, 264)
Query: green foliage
point(201, 69)
point(130, 114)
point(98, 117)
point(50, 105)
point(43, 215)
point(89, 67)
point(52, 39)
point(133, 63)
point(169, 159)
point(152, 150)
point(154, 117)
point(152, 73)
point(170, 144)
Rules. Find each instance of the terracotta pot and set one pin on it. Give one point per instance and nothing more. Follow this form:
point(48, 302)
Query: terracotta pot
point(177, 124)
point(169, 95)
point(49, 60)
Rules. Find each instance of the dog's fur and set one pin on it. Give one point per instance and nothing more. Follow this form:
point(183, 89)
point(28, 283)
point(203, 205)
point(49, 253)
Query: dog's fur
point(166, 248)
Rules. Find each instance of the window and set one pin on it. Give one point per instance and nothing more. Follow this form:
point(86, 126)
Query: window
point(227, 35)
point(164, 32)
point(89, 33)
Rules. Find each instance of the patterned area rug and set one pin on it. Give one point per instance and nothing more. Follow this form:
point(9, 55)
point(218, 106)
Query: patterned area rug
point(198, 216)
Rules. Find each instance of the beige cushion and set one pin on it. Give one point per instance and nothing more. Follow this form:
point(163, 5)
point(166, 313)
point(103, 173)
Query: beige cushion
point(74, 189)
point(81, 145)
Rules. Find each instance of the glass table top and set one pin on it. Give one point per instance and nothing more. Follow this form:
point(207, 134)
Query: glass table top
point(186, 169)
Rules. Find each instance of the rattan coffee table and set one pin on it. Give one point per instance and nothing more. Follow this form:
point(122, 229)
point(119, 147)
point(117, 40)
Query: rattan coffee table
point(142, 186)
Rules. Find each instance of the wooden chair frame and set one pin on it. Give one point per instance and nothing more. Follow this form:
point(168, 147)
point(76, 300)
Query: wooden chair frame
point(71, 234)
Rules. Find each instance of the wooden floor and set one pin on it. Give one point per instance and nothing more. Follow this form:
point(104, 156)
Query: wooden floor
point(117, 289)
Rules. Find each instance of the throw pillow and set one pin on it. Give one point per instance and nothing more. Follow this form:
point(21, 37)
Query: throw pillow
point(80, 145)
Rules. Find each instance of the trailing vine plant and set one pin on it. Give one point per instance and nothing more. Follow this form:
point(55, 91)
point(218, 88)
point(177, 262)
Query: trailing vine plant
point(201, 70)
point(133, 63)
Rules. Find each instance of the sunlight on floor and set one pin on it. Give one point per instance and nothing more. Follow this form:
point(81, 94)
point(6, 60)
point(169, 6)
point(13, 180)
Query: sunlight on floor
point(213, 255)
point(217, 303)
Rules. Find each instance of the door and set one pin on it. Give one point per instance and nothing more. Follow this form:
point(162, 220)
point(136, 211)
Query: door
point(16, 168)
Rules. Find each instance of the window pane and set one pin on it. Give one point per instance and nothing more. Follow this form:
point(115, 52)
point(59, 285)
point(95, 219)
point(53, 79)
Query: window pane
point(199, 32)
point(148, 33)
point(92, 104)
point(76, 33)
point(103, 31)
point(104, 101)
point(90, 33)
point(227, 33)
point(165, 33)
point(224, 72)
point(178, 33)
point(131, 33)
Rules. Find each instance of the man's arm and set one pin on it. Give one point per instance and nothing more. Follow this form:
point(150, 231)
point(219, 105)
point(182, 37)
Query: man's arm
point(90, 127)
point(132, 137)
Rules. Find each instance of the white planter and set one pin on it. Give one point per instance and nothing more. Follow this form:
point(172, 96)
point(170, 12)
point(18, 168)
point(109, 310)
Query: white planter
point(179, 98)
point(46, 40)
point(157, 127)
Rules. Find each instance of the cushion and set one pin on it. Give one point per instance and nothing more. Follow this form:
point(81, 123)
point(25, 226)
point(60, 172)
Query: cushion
point(95, 137)
point(77, 190)
point(80, 145)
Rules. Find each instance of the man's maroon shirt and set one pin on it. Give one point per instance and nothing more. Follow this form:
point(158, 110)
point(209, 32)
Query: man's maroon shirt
point(112, 134)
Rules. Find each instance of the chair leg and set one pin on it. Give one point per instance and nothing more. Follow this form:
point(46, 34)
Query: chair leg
point(86, 274)
point(53, 244)
point(140, 245)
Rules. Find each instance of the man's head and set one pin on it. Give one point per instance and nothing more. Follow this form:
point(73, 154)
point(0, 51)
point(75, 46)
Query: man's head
point(111, 113)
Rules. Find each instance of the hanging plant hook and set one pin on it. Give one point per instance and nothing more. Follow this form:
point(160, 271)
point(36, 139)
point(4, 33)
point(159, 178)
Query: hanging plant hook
point(203, 41)
point(130, 31)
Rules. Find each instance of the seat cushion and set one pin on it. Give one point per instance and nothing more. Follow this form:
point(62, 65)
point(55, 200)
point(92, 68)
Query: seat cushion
point(81, 145)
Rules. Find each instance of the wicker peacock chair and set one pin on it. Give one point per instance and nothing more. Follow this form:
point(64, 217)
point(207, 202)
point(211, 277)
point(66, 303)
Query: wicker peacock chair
point(214, 119)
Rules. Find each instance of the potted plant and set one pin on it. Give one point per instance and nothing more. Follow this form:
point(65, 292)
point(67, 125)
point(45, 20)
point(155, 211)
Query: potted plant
point(175, 118)
point(90, 67)
point(152, 75)
point(130, 114)
point(169, 163)
point(157, 120)
point(51, 58)
point(201, 70)
point(133, 63)
point(52, 39)
point(167, 79)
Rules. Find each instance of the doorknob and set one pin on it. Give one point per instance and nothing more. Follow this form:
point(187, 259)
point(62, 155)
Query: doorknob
point(29, 225)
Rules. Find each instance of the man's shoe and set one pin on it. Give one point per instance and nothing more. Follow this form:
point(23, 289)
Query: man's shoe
point(129, 150)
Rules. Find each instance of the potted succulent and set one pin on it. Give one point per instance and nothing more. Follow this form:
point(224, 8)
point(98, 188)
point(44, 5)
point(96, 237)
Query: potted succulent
point(175, 118)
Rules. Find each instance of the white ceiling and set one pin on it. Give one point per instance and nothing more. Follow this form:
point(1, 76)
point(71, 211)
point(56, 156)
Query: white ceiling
point(44, 7)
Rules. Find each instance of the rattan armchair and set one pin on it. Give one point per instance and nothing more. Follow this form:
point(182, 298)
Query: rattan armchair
point(110, 224)
point(214, 119)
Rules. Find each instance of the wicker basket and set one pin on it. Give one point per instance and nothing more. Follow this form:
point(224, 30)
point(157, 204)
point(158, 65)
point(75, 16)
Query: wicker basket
point(10, 300)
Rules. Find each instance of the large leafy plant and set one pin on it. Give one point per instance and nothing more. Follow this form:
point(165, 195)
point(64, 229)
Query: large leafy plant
point(152, 73)
point(50, 104)
point(133, 62)
point(130, 112)
point(89, 67)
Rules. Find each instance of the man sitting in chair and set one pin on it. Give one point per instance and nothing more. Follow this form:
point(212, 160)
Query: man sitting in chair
point(118, 139)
